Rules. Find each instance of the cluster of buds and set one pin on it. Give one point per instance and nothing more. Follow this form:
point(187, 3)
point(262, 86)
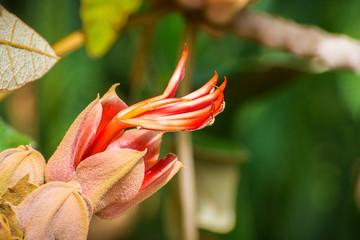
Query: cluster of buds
point(107, 162)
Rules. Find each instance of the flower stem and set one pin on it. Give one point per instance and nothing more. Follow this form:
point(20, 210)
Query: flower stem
point(185, 148)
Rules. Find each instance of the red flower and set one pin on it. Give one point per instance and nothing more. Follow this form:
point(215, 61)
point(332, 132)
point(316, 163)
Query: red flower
point(118, 168)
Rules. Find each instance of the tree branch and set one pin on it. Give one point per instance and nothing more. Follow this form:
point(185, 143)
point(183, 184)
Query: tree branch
point(336, 51)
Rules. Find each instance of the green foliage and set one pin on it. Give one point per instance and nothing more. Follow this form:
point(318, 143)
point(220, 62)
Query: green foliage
point(349, 88)
point(102, 22)
point(10, 138)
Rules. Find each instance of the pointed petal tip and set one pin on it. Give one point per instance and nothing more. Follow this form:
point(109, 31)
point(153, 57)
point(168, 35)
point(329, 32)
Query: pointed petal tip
point(215, 77)
point(184, 55)
point(114, 86)
point(223, 85)
point(111, 91)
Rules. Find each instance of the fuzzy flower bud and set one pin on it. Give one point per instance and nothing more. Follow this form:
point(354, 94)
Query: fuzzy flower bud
point(56, 210)
point(15, 163)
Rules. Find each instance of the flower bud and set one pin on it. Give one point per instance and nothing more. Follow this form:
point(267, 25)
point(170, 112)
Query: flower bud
point(56, 210)
point(15, 163)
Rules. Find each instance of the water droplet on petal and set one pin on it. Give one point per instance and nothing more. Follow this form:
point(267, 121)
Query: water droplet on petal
point(222, 107)
point(210, 122)
point(150, 106)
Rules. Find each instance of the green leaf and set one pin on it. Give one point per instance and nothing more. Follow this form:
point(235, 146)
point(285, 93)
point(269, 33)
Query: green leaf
point(102, 22)
point(9, 137)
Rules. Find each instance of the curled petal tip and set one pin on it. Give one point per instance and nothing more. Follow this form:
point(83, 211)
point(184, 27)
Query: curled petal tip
point(215, 77)
point(110, 91)
point(223, 85)
point(114, 86)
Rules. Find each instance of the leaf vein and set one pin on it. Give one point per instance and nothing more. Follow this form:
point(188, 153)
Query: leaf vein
point(31, 54)
point(13, 30)
point(21, 46)
point(12, 67)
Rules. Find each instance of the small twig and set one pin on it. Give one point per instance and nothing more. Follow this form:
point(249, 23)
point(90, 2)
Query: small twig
point(69, 43)
point(185, 148)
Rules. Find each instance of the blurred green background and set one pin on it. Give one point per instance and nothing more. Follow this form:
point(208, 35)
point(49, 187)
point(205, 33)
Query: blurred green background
point(298, 134)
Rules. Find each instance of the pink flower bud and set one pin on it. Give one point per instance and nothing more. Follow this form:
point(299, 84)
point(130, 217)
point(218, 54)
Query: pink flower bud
point(56, 210)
